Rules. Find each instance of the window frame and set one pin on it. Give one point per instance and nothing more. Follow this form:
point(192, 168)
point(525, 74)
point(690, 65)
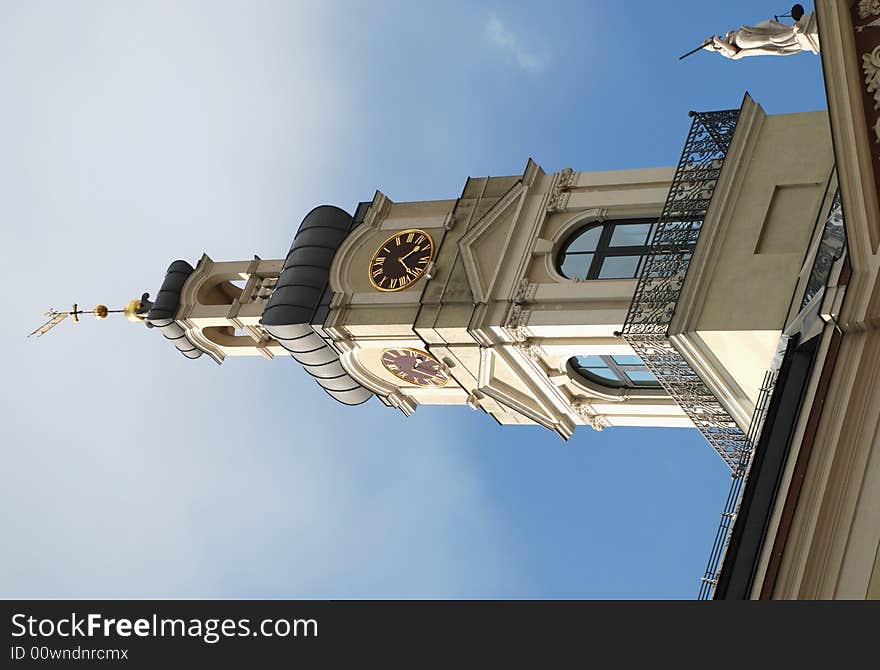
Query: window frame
point(618, 369)
point(603, 249)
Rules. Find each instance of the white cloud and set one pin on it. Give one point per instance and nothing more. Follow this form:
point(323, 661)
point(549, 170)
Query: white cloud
point(501, 37)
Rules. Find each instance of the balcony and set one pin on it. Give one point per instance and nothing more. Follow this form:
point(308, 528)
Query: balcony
point(734, 282)
point(662, 279)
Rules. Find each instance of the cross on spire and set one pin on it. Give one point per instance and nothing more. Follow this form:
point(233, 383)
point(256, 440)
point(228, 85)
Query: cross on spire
point(56, 317)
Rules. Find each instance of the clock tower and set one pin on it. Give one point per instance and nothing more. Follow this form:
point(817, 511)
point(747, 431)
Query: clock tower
point(525, 296)
point(487, 316)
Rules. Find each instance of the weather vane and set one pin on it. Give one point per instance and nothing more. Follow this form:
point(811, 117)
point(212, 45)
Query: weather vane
point(56, 317)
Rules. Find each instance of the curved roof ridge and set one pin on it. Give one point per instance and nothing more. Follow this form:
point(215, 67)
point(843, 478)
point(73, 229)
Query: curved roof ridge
point(294, 301)
point(164, 309)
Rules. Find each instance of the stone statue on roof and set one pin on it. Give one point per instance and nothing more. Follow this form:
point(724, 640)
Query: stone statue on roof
point(768, 38)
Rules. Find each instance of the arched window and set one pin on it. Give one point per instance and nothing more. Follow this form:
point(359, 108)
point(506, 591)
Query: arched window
point(609, 250)
point(614, 371)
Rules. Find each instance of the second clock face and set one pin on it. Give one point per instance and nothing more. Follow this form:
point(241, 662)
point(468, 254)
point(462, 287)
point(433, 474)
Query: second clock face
point(401, 260)
point(414, 366)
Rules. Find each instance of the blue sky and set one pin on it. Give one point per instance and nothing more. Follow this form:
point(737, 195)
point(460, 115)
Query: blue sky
point(138, 133)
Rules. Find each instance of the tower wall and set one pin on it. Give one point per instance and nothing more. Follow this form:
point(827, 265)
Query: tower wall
point(495, 310)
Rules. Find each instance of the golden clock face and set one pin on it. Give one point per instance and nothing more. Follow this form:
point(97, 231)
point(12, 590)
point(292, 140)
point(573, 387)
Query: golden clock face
point(414, 366)
point(401, 260)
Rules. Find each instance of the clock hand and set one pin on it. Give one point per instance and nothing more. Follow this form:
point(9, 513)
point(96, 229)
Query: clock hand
point(403, 258)
point(406, 267)
point(416, 365)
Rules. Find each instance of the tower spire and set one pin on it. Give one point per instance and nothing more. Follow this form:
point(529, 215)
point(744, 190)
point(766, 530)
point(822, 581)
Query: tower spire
point(56, 317)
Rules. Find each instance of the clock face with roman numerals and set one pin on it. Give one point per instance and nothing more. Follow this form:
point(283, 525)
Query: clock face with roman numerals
point(414, 366)
point(401, 260)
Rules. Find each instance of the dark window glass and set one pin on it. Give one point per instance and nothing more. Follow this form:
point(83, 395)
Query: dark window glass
point(614, 371)
point(609, 250)
point(587, 241)
point(619, 267)
point(627, 360)
point(605, 373)
point(576, 266)
point(637, 376)
point(632, 235)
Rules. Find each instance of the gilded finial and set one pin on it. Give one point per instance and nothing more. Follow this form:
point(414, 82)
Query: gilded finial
point(132, 311)
point(99, 312)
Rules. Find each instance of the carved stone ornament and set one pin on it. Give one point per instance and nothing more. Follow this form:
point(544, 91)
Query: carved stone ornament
point(525, 291)
point(520, 333)
point(533, 351)
point(559, 195)
point(517, 318)
point(566, 178)
point(598, 422)
point(586, 412)
point(871, 68)
point(868, 8)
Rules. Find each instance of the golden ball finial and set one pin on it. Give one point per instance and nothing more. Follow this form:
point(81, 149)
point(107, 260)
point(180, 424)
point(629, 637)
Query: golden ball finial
point(100, 311)
point(131, 311)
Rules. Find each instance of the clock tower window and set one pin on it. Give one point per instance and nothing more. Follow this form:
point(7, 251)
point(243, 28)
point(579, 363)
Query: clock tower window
point(606, 250)
point(614, 371)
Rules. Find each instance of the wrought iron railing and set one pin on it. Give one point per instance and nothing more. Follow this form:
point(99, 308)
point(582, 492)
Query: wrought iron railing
point(662, 278)
point(738, 478)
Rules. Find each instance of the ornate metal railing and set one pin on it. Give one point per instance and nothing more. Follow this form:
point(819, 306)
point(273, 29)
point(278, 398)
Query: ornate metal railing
point(738, 478)
point(662, 277)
